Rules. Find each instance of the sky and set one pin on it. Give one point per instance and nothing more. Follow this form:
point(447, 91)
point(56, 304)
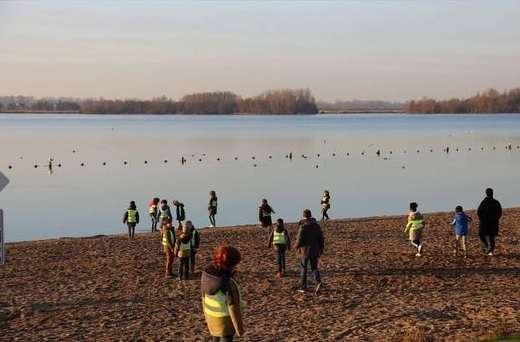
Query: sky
point(386, 50)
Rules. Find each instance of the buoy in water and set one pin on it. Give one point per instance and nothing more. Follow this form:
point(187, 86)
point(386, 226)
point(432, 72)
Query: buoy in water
point(334, 154)
point(10, 167)
point(146, 161)
point(254, 165)
point(125, 162)
point(200, 159)
point(378, 153)
point(270, 157)
point(35, 166)
point(253, 157)
point(318, 155)
point(348, 154)
point(82, 164)
point(236, 158)
point(218, 159)
point(165, 161)
point(316, 166)
point(59, 165)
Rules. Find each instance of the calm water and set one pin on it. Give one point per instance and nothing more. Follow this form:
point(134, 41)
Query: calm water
point(88, 200)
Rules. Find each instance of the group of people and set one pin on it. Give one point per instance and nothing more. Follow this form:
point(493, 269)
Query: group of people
point(221, 294)
point(489, 213)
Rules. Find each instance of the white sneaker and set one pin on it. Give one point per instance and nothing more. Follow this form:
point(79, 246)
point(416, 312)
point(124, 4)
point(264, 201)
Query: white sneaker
point(211, 226)
point(419, 249)
point(490, 254)
point(418, 254)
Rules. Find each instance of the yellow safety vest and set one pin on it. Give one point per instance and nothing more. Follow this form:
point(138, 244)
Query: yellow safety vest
point(279, 238)
point(185, 246)
point(216, 305)
point(132, 216)
point(153, 209)
point(165, 238)
point(214, 203)
point(416, 224)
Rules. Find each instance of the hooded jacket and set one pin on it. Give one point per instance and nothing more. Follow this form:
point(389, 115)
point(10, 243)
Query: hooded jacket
point(212, 281)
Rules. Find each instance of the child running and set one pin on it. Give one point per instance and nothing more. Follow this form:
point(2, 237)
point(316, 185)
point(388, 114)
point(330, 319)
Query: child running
point(460, 225)
point(180, 213)
point(168, 242)
point(415, 228)
point(325, 205)
point(131, 219)
point(183, 252)
point(212, 208)
point(264, 214)
point(153, 210)
point(280, 241)
point(195, 243)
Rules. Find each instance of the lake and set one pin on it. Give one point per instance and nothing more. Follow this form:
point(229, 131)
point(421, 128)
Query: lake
point(86, 200)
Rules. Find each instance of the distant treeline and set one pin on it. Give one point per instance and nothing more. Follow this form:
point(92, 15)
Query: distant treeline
point(361, 106)
point(285, 101)
point(490, 101)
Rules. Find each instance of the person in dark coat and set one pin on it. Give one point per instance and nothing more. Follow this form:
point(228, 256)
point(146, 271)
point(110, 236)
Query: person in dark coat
point(310, 244)
point(489, 212)
point(264, 214)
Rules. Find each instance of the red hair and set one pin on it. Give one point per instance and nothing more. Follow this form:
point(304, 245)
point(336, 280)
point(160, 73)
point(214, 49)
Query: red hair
point(226, 257)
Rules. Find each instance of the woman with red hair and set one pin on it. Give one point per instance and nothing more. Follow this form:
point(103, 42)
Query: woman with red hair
point(221, 298)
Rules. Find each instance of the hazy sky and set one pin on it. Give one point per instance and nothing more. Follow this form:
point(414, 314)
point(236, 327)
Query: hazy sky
point(391, 50)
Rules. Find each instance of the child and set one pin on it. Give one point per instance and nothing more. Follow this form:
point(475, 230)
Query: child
point(180, 213)
point(164, 211)
point(154, 213)
point(131, 218)
point(195, 242)
point(212, 208)
point(325, 205)
point(460, 225)
point(264, 214)
point(183, 252)
point(279, 239)
point(168, 242)
point(415, 226)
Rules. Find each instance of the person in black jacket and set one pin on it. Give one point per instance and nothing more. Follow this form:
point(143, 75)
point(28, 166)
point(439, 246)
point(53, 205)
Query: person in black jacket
point(310, 244)
point(489, 212)
point(195, 242)
point(180, 213)
point(264, 214)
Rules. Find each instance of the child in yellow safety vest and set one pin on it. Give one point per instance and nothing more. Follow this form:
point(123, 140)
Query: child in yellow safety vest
point(183, 251)
point(168, 243)
point(195, 242)
point(131, 219)
point(415, 227)
point(279, 239)
point(153, 211)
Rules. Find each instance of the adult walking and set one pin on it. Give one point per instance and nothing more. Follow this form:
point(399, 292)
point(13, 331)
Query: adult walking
point(221, 298)
point(489, 212)
point(310, 244)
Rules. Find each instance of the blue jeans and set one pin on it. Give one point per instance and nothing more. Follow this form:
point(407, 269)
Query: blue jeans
point(280, 257)
point(313, 261)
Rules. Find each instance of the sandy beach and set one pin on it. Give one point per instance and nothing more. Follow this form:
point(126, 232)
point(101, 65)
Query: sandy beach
point(110, 288)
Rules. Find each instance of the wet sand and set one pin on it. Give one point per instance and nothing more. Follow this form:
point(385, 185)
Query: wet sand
point(110, 288)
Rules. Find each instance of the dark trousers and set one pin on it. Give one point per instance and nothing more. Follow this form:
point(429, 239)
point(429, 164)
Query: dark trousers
point(131, 230)
point(212, 220)
point(280, 258)
point(192, 260)
point(184, 266)
point(313, 261)
point(324, 214)
point(154, 222)
point(223, 338)
point(488, 242)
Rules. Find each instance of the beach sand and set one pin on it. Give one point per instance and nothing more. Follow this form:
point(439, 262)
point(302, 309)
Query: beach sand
point(110, 288)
